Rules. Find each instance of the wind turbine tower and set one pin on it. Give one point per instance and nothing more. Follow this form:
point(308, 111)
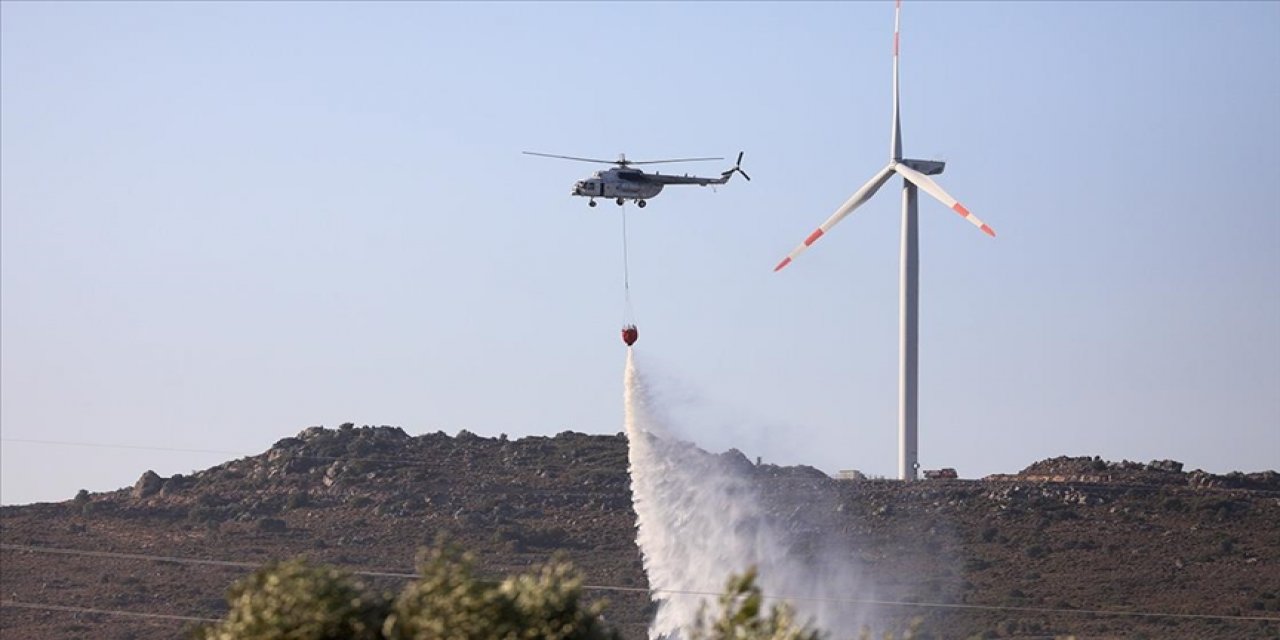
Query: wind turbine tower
point(915, 176)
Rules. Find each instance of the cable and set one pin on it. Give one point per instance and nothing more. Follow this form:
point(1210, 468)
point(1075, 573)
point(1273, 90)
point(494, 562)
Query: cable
point(176, 559)
point(109, 612)
point(626, 274)
point(387, 461)
point(866, 486)
point(628, 312)
point(622, 589)
point(108, 445)
point(769, 487)
point(117, 612)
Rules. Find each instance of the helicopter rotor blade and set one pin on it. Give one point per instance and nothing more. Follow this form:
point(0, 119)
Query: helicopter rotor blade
point(673, 160)
point(551, 155)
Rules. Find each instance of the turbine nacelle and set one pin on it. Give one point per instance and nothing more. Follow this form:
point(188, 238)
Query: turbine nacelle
point(927, 167)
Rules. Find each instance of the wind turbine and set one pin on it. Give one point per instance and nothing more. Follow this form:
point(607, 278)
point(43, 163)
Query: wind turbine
point(915, 175)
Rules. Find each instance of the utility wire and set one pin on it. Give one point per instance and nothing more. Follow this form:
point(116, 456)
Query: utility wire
point(682, 592)
point(110, 612)
point(236, 564)
point(379, 460)
point(863, 486)
point(109, 445)
point(117, 612)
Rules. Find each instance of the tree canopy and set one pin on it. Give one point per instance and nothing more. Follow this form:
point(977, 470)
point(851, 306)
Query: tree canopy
point(300, 600)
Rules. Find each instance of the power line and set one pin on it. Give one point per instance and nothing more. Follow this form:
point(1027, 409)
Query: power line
point(109, 445)
point(863, 487)
point(680, 592)
point(118, 612)
point(379, 460)
point(400, 462)
point(115, 555)
point(109, 612)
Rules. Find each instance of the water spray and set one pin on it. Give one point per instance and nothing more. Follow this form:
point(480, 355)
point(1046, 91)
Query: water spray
point(700, 519)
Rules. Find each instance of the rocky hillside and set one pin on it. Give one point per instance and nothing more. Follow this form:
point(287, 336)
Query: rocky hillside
point(1049, 550)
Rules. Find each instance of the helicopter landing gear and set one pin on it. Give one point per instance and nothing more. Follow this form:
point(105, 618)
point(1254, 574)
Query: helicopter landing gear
point(619, 201)
point(641, 203)
point(591, 202)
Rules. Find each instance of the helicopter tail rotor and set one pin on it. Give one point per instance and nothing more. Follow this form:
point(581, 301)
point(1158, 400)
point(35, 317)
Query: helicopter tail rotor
point(737, 168)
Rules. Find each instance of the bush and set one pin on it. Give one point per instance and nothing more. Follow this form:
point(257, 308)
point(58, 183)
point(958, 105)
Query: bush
point(550, 537)
point(976, 564)
point(298, 499)
point(1227, 545)
point(448, 602)
point(272, 525)
point(301, 601)
point(742, 616)
point(295, 599)
point(205, 515)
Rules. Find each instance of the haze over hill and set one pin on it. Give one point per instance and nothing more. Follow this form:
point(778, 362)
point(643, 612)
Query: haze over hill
point(1028, 551)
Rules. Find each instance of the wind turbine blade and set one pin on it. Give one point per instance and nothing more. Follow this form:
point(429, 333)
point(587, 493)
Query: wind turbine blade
point(932, 188)
point(895, 146)
point(856, 200)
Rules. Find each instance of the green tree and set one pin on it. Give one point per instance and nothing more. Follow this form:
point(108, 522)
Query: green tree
point(449, 603)
point(296, 600)
point(743, 616)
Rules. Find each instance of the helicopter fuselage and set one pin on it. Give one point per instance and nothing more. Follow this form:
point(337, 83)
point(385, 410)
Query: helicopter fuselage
point(608, 184)
point(625, 182)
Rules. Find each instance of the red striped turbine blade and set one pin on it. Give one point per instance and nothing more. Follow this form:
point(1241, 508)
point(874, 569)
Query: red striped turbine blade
point(856, 200)
point(926, 184)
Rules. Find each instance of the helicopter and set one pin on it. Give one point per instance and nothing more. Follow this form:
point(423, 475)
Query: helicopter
point(624, 183)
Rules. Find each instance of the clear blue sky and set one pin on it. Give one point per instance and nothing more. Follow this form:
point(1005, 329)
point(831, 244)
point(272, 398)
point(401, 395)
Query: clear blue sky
point(221, 223)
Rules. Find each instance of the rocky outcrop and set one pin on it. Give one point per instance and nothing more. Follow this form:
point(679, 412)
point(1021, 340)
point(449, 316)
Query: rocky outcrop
point(148, 485)
point(1051, 536)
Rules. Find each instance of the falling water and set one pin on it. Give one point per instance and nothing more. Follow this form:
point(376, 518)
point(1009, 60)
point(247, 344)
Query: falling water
point(700, 519)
